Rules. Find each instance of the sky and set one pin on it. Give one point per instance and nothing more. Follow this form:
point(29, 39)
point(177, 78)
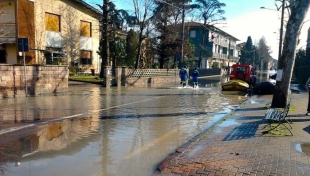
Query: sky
point(245, 18)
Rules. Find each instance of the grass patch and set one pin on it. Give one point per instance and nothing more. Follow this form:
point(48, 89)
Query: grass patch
point(89, 79)
point(279, 131)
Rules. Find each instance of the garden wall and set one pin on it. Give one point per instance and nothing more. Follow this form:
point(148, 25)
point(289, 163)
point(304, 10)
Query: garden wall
point(39, 80)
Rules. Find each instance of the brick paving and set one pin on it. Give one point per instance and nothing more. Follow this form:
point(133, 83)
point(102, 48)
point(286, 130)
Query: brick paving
point(237, 146)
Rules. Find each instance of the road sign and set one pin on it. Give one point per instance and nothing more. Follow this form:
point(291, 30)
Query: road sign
point(23, 44)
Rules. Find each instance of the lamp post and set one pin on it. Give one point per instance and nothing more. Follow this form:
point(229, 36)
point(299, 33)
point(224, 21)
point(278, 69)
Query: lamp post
point(281, 30)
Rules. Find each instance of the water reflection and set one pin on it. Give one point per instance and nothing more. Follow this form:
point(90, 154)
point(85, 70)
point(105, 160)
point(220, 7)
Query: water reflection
point(304, 148)
point(43, 143)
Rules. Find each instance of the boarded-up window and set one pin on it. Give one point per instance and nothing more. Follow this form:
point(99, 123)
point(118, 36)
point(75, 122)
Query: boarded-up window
point(85, 57)
point(85, 29)
point(52, 22)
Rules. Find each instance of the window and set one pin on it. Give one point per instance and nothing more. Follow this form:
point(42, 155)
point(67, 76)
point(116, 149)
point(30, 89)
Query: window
point(231, 52)
point(52, 22)
point(85, 57)
point(85, 29)
point(53, 56)
point(192, 34)
point(224, 50)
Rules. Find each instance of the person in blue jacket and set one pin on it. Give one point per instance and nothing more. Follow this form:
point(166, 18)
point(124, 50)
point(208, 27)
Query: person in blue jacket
point(183, 76)
point(195, 75)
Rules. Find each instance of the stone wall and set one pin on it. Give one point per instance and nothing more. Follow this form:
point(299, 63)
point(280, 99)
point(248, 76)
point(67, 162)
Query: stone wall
point(40, 80)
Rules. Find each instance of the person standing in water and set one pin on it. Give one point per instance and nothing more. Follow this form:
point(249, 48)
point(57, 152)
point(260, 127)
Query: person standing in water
point(183, 76)
point(195, 75)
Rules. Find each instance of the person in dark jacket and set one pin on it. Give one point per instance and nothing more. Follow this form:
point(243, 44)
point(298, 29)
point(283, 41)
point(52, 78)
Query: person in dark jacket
point(195, 75)
point(183, 76)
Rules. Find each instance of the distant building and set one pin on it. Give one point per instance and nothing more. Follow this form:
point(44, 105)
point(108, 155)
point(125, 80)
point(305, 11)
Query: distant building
point(219, 48)
point(58, 32)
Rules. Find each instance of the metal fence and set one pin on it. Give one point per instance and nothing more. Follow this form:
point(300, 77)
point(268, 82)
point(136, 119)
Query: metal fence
point(152, 72)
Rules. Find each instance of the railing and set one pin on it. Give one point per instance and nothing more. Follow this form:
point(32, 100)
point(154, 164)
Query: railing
point(224, 56)
point(219, 56)
point(224, 43)
point(152, 72)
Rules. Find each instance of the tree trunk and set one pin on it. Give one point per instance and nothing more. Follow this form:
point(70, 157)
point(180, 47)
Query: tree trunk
point(286, 61)
point(139, 47)
point(105, 42)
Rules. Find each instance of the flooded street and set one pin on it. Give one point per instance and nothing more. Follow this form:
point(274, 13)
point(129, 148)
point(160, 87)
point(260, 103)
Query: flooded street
point(92, 130)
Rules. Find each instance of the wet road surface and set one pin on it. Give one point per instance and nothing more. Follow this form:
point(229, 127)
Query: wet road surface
point(91, 130)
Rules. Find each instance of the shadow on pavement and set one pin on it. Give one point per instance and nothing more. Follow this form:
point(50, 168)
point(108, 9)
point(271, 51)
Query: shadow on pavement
point(244, 131)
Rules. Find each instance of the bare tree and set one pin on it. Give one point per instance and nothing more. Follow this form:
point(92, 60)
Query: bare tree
point(299, 9)
point(143, 10)
point(70, 41)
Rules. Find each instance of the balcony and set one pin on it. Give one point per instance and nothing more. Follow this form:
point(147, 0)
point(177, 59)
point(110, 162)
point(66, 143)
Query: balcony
point(224, 57)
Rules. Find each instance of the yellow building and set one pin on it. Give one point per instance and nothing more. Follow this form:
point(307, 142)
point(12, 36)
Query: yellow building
point(58, 32)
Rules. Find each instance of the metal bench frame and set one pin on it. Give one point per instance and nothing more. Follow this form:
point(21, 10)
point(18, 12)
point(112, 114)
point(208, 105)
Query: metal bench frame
point(280, 116)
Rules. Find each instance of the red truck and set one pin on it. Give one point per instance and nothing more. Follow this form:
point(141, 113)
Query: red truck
point(243, 72)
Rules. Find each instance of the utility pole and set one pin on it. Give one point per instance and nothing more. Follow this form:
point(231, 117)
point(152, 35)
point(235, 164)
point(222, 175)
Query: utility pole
point(183, 26)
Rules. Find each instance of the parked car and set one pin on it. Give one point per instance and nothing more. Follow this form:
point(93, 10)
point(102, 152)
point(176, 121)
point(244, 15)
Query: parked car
point(264, 88)
point(273, 76)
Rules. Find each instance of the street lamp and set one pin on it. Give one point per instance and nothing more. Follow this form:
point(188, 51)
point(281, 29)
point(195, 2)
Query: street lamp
point(281, 28)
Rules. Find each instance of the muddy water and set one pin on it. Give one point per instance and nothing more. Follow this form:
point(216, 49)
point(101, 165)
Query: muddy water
point(91, 130)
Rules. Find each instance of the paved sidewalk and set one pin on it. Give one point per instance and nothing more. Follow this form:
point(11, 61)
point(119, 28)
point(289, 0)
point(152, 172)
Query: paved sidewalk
point(236, 146)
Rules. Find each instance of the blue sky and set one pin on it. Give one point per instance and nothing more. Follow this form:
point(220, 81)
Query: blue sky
point(245, 18)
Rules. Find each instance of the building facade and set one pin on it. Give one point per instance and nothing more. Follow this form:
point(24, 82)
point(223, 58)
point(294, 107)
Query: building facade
point(214, 47)
point(58, 32)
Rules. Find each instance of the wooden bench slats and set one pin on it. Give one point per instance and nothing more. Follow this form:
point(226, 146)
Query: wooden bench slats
point(278, 115)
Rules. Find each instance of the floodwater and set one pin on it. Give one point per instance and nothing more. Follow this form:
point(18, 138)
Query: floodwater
point(91, 130)
point(303, 148)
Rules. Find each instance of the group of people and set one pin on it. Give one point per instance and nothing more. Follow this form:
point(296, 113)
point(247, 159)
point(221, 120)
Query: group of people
point(184, 76)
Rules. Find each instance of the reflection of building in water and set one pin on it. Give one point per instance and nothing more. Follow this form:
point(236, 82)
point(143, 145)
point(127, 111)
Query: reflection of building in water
point(61, 134)
point(55, 136)
point(306, 148)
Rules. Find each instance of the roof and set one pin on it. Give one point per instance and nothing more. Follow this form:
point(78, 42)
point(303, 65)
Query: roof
point(88, 6)
point(211, 28)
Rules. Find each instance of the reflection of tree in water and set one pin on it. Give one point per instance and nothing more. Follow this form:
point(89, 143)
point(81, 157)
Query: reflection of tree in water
point(10, 152)
point(3, 164)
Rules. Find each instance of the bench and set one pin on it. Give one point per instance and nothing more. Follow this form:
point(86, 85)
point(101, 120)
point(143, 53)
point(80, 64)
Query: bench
point(279, 116)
